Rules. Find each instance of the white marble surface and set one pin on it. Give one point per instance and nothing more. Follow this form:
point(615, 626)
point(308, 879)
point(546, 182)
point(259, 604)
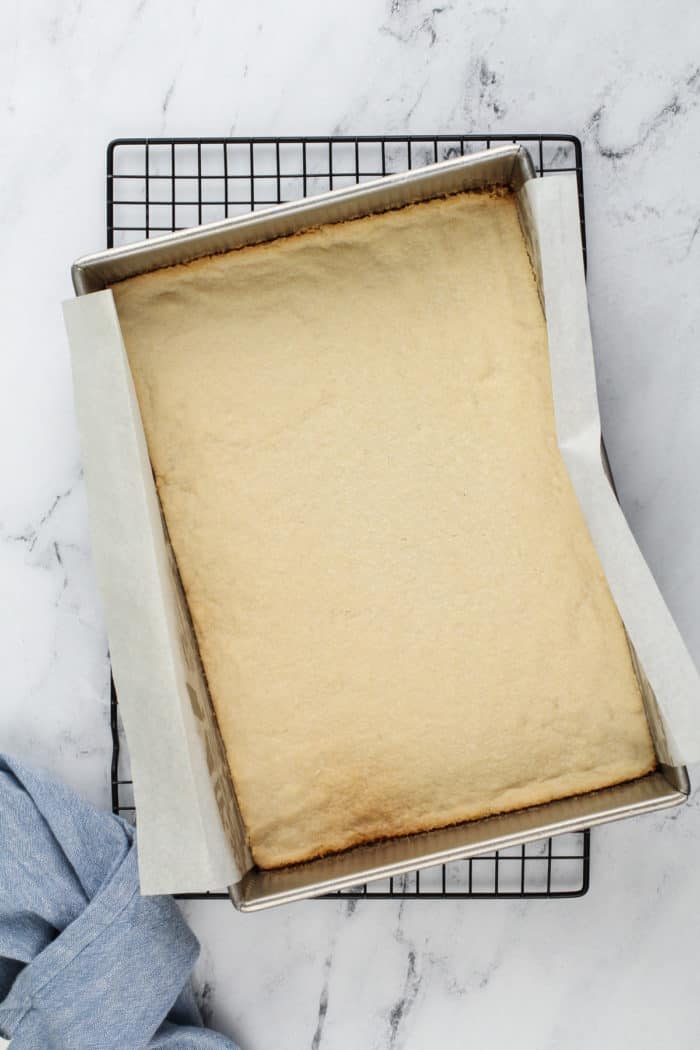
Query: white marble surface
point(618, 967)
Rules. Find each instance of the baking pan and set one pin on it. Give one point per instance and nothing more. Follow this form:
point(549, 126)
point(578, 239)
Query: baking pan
point(506, 166)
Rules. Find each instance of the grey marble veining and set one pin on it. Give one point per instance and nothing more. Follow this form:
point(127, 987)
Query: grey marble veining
point(618, 967)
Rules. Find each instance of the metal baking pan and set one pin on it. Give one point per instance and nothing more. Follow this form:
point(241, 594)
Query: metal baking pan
point(668, 785)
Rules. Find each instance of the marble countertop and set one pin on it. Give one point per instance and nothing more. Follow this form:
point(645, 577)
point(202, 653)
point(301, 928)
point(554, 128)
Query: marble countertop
point(616, 967)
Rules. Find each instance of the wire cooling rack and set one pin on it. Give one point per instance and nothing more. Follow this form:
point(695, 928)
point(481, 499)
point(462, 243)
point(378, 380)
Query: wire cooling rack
point(157, 186)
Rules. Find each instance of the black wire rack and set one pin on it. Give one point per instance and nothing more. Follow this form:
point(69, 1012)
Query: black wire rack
point(156, 186)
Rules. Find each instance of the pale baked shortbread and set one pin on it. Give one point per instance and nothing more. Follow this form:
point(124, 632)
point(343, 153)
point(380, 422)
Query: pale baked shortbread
point(401, 615)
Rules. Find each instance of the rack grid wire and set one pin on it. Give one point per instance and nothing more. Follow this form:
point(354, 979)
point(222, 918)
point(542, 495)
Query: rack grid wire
point(156, 186)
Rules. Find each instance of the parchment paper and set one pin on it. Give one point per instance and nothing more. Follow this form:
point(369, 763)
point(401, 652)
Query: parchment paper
point(182, 843)
point(553, 206)
point(189, 839)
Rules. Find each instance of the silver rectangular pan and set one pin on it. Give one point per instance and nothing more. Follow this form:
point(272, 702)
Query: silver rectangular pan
point(508, 166)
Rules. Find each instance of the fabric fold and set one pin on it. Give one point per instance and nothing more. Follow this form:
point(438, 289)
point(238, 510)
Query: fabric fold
point(86, 962)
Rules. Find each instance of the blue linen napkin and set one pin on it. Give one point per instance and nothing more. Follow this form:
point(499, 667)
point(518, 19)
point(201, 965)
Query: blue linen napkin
point(86, 962)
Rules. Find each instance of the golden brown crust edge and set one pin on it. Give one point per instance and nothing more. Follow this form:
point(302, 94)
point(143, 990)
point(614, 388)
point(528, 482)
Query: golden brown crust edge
point(269, 860)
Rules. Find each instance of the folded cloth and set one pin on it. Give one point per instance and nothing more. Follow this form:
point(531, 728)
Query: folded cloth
point(86, 962)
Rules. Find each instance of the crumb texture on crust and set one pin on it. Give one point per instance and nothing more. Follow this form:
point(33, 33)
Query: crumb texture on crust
point(402, 618)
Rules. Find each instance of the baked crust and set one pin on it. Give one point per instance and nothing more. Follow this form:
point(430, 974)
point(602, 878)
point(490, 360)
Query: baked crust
point(401, 615)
